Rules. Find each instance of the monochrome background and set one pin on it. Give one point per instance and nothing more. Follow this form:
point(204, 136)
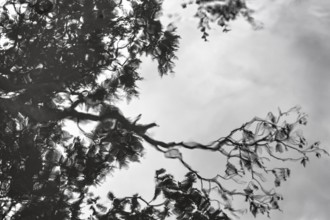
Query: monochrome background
point(220, 84)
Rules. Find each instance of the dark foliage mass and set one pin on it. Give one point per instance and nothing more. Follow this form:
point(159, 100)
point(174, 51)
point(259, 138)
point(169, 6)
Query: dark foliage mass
point(74, 60)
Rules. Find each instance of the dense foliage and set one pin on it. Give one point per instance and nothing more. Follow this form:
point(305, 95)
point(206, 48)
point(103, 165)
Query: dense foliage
point(74, 60)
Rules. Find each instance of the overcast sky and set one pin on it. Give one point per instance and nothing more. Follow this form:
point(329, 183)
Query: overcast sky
point(220, 84)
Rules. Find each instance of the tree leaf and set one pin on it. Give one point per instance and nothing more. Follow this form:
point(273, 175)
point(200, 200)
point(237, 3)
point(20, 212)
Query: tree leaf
point(279, 148)
point(173, 154)
point(271, 117)
point(160, 171)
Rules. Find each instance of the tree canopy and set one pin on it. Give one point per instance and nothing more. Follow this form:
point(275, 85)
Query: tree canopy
point(76, 60)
